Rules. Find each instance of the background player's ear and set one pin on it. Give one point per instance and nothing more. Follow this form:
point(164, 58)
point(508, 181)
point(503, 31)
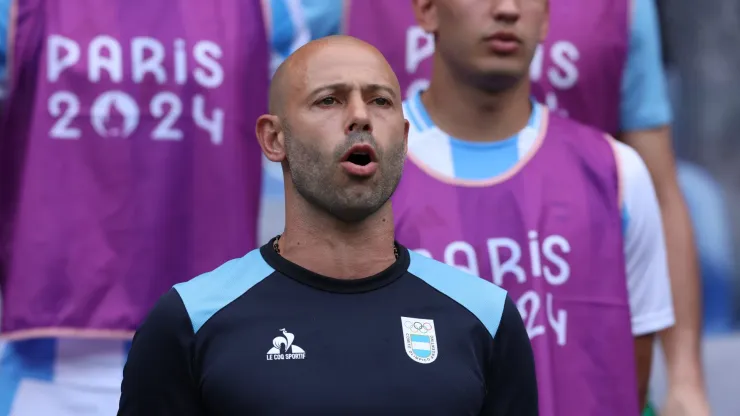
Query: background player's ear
point(271, 138)
point(426, 14)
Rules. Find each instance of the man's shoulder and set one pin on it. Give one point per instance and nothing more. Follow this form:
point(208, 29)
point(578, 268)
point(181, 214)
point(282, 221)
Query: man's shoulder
point(482, 298)
point(589, 143)
point(210, 292)
point(631, 165)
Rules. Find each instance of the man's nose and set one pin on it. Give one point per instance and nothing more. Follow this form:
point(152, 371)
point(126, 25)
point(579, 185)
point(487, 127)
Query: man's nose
point(359, 119)
point(507, 11)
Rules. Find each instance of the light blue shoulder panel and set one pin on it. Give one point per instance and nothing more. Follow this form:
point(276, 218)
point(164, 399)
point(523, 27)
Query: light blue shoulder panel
point(210, 292)
point(483, 299)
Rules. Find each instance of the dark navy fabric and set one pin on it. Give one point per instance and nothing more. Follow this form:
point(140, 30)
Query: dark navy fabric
point(263, 336)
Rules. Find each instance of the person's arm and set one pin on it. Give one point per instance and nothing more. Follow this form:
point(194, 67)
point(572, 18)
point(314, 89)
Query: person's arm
point(648, 285)
point(158, 378)
point(512, 389)
point(646, 127)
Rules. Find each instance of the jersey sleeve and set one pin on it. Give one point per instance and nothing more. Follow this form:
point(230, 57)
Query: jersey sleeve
point(512, 390)
point(648, 283)
point(645, 103)
point(157, 377)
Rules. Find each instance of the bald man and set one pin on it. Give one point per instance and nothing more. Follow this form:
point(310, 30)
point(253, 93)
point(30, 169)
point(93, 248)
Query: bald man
point(333, 317)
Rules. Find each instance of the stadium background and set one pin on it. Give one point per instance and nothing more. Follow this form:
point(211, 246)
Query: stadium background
point(702, 60)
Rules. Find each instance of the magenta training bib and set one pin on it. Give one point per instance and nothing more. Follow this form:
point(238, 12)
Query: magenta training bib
point(549, 232)
point(128, 157)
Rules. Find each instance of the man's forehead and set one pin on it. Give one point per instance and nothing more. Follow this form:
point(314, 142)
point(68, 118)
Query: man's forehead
point(330, 63)
point(350, 66)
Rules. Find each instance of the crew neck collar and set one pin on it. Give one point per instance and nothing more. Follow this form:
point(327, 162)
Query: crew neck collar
point(330, 284)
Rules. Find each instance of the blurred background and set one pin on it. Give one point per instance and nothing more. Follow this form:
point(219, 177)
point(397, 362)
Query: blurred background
point(701, 57)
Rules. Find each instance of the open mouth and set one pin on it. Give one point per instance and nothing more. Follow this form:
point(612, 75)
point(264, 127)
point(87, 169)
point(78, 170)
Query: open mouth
point(360, 155)
point(360, 161)
point(359, 158)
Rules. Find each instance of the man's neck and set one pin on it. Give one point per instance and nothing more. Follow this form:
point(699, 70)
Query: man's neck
point(467, 112)
point(318, 242)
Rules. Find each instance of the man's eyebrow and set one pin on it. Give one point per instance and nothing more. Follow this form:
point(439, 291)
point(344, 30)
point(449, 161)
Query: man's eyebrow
point(341, 86)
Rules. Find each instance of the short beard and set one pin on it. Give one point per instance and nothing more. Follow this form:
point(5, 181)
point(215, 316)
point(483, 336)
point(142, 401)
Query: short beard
point(313, 176)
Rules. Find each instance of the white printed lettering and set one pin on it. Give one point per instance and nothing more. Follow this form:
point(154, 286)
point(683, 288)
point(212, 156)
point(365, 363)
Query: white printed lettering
point(115, 113)
point(547, 258)
point(511, 265)
point(98, 61)
point(529, 314)
point(534, 254)
point(165, 129)
point(419, 46)
point(558, 323)
point(563, 268)
point(207, 54)
point(105, 54)
point(535, 68)
point(214, 125)
point(181, 62)
point(61, 54)
point(563, 74)
point(564, 54)
point(471, 262)
point(147, 56)
point(66, 106)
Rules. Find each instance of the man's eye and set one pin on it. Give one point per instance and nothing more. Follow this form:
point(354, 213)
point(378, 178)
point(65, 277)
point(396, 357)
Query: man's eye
point(382, 101)
point(328, 101)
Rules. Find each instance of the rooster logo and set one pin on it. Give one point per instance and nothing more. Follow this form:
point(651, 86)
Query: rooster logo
point(284, 344)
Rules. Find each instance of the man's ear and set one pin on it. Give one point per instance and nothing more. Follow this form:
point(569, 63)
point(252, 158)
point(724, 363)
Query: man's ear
point(425, 12)
point(270, 135)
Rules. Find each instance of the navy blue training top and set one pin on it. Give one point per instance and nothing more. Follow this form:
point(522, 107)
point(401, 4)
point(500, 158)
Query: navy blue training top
point(263, 336)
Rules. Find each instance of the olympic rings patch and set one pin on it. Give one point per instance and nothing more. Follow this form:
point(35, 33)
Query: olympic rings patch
point(417, 327)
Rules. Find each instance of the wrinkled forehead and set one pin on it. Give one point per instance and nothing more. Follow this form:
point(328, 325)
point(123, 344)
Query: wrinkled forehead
point(349, 65)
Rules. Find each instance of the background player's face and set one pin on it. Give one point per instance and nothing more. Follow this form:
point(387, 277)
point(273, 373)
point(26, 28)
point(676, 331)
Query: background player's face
point(490, 41)
point(348, 96)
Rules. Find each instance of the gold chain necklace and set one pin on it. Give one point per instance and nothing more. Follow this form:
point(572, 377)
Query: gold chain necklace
point(276, 247)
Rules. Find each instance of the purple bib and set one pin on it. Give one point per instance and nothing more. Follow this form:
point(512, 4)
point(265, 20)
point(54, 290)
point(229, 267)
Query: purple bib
point(391, 27)
point(128, 156)
point(577, 72)
point(549, 232)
